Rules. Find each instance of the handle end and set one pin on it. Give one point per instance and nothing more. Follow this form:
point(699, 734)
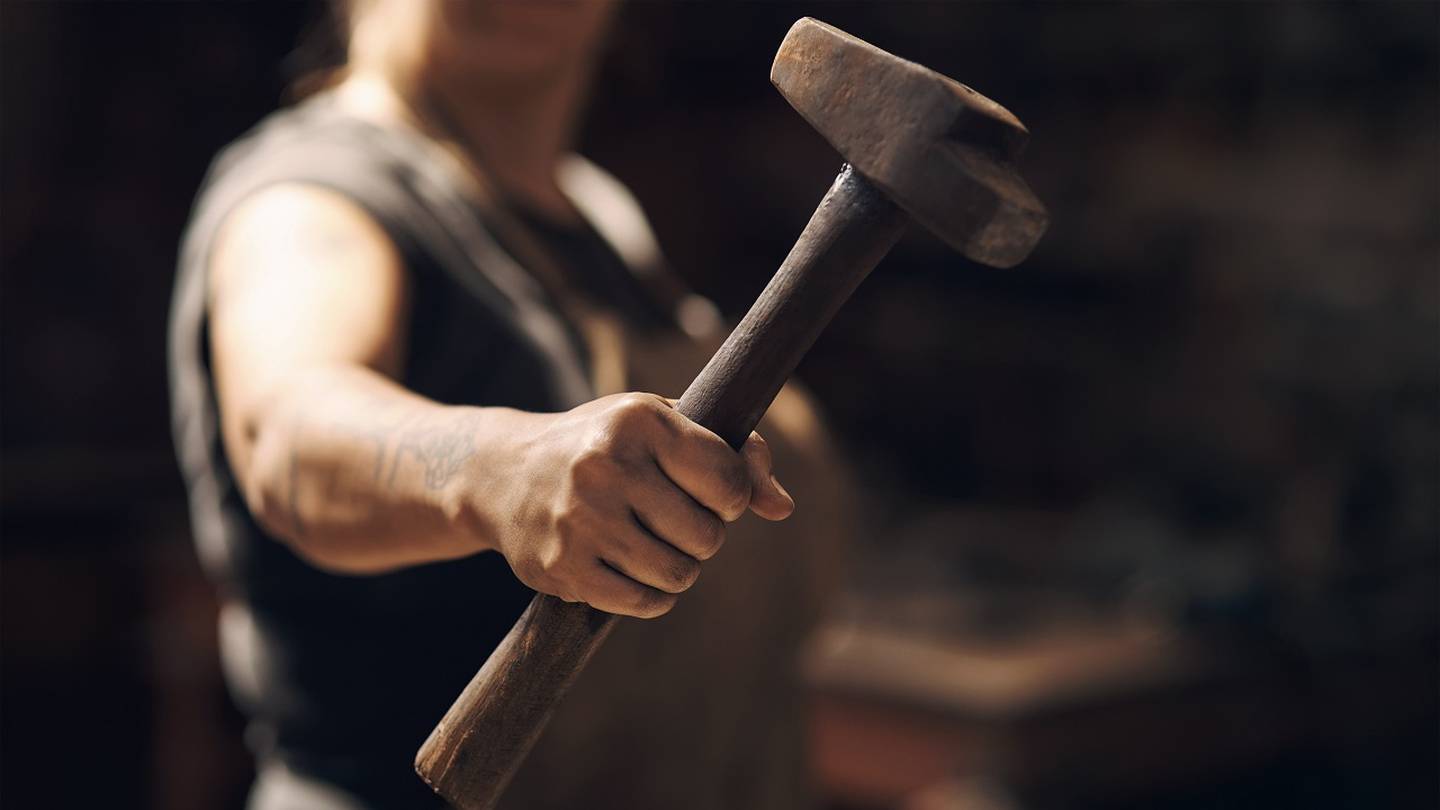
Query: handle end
point(471, 755)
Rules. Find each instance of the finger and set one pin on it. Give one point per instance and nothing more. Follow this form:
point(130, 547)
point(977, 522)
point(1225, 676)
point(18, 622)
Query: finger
point(768, 499)
point(648, 560)
point(671, 515)
point(704, 466)
point(613, 592)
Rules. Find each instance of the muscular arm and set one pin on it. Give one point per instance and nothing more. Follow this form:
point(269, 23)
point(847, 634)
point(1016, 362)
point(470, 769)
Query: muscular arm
point(308, 308)
point(613, 503)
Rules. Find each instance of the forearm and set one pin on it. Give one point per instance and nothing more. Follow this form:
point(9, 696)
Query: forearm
point(360, 475)
point(614, 502)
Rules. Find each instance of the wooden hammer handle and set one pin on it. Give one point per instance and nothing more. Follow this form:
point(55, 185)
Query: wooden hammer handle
point(471, 755)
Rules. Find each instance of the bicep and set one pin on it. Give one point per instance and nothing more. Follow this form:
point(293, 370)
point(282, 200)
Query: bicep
point(301, 279)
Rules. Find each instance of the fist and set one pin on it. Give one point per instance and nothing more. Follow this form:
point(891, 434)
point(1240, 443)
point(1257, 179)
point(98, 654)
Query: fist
point(622, 498)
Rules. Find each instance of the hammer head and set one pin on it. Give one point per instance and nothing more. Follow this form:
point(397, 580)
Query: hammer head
point(943, 152)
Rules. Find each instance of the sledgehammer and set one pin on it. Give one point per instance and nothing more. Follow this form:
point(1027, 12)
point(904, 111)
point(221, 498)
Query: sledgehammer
point(919, 147)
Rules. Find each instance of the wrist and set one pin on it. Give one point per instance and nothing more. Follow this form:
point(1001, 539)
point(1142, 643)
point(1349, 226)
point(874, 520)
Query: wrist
point(491, 489)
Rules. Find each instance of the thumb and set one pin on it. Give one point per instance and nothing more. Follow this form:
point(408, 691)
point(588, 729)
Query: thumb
point(768, 499)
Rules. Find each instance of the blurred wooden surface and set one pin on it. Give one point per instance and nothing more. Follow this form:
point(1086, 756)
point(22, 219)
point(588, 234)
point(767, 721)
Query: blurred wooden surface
point(1089, 717)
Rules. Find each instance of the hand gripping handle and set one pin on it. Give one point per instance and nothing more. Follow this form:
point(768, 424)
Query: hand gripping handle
point(471, 755)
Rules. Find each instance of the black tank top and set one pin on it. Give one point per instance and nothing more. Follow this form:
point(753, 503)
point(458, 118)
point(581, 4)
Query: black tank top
point(347, 674)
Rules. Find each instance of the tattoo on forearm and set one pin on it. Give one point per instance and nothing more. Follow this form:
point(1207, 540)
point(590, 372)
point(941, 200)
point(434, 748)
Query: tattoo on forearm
point(442, 445)
point(442, 449)
point(380, 435)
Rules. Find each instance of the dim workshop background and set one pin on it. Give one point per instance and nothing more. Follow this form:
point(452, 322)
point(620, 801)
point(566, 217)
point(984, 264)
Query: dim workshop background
point(1153, 517)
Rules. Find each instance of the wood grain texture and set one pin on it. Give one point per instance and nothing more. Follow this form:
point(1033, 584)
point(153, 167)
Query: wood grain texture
point(853, 228)
point(471, 755)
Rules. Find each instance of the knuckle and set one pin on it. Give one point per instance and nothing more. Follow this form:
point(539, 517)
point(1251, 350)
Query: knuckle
point(550, 560)
point(569, 522)
point(709, 538)
point(574, 525)
point(543, 573)
point(611, 440)
point(652, 604)
point(634, 410)
point(734, 492)
point(683, 574)
point(529, 571)
point(595, 464)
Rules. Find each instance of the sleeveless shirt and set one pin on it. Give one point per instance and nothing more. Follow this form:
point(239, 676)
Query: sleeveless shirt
point(345, 675)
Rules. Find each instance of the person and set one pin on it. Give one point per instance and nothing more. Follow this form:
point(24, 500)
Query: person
point(410, 343)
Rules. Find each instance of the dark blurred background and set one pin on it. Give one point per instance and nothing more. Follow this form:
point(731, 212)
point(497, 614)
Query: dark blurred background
point(1153, 517)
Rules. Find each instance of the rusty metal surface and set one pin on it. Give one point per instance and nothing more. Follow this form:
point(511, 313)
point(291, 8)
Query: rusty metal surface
point(944, 152)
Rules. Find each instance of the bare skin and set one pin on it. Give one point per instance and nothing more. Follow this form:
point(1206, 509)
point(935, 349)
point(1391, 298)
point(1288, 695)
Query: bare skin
point(614, 503)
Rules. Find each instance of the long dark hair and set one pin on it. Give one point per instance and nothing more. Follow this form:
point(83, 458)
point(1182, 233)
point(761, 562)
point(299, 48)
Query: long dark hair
point(319, 59)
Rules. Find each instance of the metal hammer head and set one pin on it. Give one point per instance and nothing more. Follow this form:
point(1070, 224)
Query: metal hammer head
point(942, 151)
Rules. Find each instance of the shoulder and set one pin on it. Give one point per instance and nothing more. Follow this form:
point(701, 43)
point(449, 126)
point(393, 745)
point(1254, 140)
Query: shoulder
point(311, 143)
point(309, 163)
point(302, 225)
